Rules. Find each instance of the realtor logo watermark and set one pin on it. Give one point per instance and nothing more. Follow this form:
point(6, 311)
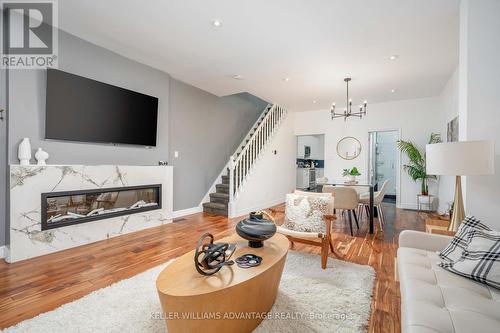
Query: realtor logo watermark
point(29, 34)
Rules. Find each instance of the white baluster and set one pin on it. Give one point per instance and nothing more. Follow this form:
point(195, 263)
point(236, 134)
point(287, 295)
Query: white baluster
point(239, 174)
point(265, 133)
point(231, 180)
point(270, 119)
point(246, 163)
point(260, 139)
point(268, 129)
point(242, 169)
point(253, 152)
point(271, 124)
point(250, 152)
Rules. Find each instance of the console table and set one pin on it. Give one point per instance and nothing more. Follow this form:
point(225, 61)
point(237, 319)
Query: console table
point(187, 297)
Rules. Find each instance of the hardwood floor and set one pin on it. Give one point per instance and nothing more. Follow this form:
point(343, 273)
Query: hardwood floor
point(37, 285)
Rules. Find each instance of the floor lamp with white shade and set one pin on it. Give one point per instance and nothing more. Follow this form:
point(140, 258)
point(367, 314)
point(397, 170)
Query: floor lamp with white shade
point(465, 158)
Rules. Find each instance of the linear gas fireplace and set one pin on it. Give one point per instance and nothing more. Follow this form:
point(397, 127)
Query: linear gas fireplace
point(61, 209)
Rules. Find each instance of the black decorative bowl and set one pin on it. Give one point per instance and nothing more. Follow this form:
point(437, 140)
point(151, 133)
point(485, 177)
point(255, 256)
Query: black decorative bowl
point(255, 230)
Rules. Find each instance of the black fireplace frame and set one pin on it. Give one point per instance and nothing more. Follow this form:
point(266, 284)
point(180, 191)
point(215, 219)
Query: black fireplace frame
point(45, 196)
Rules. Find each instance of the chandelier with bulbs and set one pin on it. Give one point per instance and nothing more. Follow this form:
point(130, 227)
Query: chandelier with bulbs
point(348, 109)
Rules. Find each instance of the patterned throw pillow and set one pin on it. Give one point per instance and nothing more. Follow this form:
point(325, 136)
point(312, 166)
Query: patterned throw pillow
point(304, 213)
point(454, 250)
point(480, 260)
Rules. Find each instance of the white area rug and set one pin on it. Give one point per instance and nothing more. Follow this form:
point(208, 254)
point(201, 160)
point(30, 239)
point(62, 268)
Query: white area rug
point(309, 300)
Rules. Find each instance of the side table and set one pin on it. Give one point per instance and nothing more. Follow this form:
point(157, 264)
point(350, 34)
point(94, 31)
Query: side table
point(438, 226)
point(425, 201)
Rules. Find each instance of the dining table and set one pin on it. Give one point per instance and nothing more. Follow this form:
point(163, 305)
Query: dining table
point(371, 188)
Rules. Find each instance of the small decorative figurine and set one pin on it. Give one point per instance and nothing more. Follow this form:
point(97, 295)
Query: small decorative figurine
point(210, 257)
point(24, 152)
point(41, 156)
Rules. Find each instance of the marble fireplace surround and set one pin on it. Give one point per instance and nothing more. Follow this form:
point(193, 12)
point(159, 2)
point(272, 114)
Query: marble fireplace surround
point(27, 183)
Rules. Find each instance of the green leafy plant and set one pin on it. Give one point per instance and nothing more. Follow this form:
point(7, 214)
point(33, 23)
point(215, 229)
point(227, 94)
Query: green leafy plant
point(351, 172)
point(416, 166)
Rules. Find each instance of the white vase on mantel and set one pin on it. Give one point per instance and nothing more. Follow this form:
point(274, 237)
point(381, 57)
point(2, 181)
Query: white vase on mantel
point(24, 152)
point(41, 156)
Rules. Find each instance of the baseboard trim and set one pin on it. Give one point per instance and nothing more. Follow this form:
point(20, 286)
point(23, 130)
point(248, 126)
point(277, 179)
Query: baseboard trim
point(4, 252)
point(414, 207)
point(408, 206)
point(187, 211)
point(246, 211)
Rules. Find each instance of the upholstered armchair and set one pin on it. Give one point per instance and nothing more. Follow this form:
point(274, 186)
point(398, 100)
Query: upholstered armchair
point(308, 220)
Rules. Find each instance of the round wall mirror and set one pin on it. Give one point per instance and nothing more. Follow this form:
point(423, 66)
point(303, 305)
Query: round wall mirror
point(349, 148)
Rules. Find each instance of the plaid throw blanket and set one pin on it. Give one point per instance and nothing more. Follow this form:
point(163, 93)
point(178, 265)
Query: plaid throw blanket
point(454, 250)
point(480, 260)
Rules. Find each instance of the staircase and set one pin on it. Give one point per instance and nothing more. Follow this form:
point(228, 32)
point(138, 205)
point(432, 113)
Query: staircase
point(219, 200)
point(242, 161)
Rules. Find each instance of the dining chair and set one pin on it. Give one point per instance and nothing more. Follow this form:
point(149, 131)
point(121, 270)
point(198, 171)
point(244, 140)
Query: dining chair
point(378, 197)
point(308, 220)
point(346, 199)
point(360, 189)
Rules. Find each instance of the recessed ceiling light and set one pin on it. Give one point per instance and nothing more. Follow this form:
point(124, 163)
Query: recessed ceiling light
point(237, 77)
point(393, 57)
point(286, 79)
point(314, 102)
point(216, 23)
point(393, 90)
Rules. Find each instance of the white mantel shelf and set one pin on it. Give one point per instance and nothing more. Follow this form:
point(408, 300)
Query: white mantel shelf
point(27, 183)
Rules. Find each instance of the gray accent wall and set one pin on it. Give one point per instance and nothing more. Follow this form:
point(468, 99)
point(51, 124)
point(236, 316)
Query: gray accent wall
point(205, 130)
point(27, 105)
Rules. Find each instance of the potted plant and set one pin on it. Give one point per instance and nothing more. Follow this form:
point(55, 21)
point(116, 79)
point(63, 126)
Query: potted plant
point(416, 166)
point(351, 174)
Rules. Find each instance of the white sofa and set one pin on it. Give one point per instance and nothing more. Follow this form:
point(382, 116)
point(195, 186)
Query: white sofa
point(435, 300)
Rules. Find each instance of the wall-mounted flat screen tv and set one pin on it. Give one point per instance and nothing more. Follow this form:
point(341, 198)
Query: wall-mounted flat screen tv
point(81, 109)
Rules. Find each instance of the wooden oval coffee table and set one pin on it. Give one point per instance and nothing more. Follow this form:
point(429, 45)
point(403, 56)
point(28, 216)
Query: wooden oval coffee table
point(195, 303)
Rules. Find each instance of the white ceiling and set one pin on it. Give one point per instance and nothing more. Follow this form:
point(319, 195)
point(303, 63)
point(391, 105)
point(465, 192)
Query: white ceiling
point(315, 43)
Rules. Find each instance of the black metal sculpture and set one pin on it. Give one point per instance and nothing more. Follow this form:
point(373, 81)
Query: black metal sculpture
point(214, 256)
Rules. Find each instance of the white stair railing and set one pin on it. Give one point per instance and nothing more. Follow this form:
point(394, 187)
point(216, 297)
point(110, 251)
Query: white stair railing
point(241, 163)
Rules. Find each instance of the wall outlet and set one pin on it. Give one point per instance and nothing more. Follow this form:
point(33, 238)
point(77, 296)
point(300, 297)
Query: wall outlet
point(176, 154)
